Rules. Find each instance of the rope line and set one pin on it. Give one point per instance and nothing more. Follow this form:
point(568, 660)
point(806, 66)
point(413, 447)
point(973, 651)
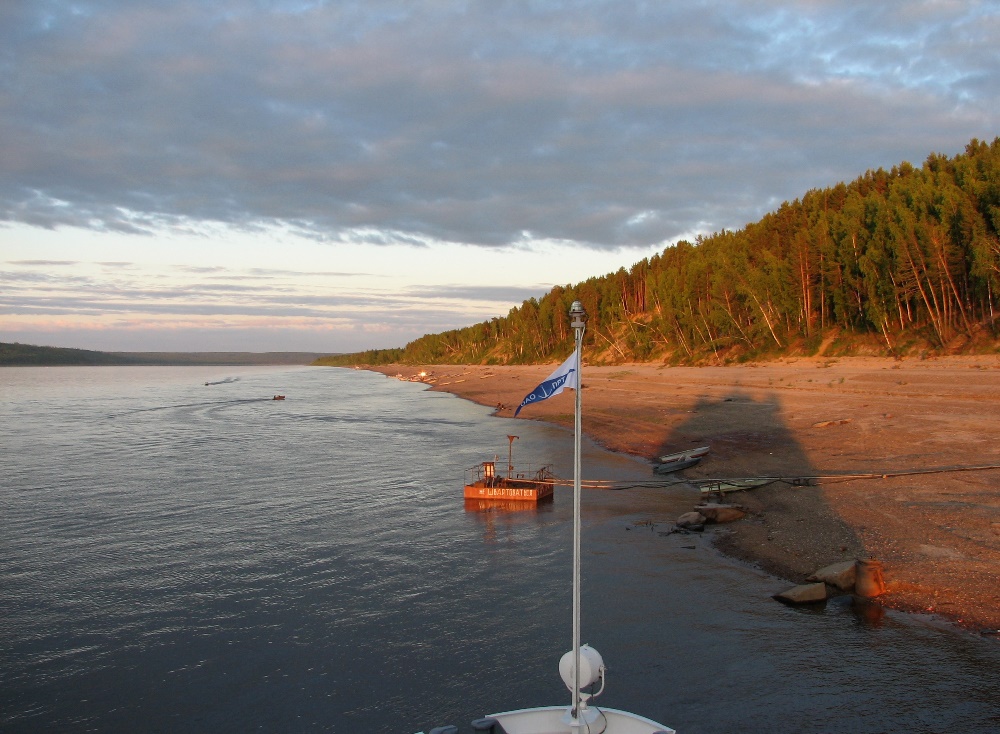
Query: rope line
point(796, 480)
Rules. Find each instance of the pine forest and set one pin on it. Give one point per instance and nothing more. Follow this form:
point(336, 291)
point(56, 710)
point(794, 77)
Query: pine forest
point(893, 263)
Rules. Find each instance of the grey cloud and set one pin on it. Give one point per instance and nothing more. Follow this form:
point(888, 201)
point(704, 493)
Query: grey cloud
point(200, 270)
point(93, 306)
point(37, 292)
point(42, 263)
point(506, 294)
point(399, 122)
point(261, 272)
point(406, 312)
point(10, 278)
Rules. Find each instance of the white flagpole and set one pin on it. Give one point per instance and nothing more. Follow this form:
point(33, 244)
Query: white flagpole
point(579, 324)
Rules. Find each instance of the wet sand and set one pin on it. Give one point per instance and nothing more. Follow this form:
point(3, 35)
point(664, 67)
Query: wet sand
point(938, 533)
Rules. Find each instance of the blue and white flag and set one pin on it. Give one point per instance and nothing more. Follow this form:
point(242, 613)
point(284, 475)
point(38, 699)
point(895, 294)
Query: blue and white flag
point(563, 377)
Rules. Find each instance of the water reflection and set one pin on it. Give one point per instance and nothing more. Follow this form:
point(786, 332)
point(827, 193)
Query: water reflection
point(868, 612)
point(494, 507)
point(500, 518)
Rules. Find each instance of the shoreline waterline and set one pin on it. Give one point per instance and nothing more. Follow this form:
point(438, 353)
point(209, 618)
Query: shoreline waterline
point(937, 533)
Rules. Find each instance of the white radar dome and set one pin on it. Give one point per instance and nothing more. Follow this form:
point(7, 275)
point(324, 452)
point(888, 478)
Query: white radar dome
point(591, 667)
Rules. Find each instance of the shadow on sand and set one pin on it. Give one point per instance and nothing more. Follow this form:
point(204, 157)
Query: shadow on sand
point(790, 529)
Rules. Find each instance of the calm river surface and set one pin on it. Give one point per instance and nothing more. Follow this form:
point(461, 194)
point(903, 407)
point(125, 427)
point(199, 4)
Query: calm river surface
point(182, 556)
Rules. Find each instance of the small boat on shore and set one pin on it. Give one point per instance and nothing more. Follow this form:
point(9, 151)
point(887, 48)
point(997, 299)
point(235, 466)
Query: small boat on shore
point(681, 460)
point(722, 486)
point(689, 454)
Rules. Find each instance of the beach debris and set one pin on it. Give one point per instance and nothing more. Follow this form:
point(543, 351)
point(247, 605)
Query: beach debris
point(709, 513)
point(841, 575)
point(803, 594)
point(824, 424)
point(719, 513)
point(690, 520)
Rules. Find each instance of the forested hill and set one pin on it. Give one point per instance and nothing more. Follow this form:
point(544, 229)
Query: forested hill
point(893, 262)
point(29, 355)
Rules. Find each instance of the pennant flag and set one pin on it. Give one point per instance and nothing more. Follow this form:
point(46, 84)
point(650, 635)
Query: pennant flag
point(563, 377)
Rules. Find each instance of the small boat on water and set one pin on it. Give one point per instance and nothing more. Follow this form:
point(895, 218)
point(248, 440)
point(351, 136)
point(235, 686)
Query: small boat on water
point(487, 484)
point(582, 667)
point(681, 460)
point(278, 397)
point(483, 482)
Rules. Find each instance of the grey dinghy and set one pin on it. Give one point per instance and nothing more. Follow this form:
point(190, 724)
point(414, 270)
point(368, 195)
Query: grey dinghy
point(680, 460)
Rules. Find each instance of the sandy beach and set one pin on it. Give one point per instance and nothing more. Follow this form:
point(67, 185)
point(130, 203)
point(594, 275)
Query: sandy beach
point(923, 430)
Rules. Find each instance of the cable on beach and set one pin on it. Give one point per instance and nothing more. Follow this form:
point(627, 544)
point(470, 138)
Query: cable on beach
point(799, 480)
point(807, 480)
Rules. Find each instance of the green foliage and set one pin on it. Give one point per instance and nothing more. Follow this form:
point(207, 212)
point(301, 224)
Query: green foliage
point(28, 355)
point(902, 257)
point(16, 355)
point(371, 357)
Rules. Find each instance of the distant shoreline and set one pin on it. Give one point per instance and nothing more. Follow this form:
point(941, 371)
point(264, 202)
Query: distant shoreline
point(29, 355)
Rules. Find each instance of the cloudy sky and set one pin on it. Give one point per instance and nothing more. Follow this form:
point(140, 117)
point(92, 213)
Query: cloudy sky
point(332, 176)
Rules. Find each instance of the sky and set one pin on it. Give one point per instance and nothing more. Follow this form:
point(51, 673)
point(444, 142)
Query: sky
point(279, 175)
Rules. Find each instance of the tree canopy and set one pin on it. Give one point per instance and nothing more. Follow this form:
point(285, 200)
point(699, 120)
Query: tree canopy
point(894, 259)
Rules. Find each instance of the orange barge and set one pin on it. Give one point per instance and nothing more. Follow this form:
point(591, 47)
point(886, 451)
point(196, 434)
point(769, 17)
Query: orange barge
point(485, 484)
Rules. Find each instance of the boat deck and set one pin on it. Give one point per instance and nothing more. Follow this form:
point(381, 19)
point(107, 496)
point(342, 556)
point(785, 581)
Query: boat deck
point(524, 486)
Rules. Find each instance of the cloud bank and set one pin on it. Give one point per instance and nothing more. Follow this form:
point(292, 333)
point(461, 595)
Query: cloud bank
point(607, 124)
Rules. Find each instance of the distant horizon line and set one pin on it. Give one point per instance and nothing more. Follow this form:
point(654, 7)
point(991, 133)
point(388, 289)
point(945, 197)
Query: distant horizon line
point(26, 355)
point(177, 351)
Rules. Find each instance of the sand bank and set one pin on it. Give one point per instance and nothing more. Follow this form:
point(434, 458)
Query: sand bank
point(938, 533)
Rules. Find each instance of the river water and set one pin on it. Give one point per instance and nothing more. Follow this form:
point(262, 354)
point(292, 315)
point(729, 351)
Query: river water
point(183, 556)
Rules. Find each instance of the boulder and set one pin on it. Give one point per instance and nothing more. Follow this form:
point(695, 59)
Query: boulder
point(690, 519)
point(720, 513)
point(804, 594)
point(840, 575)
